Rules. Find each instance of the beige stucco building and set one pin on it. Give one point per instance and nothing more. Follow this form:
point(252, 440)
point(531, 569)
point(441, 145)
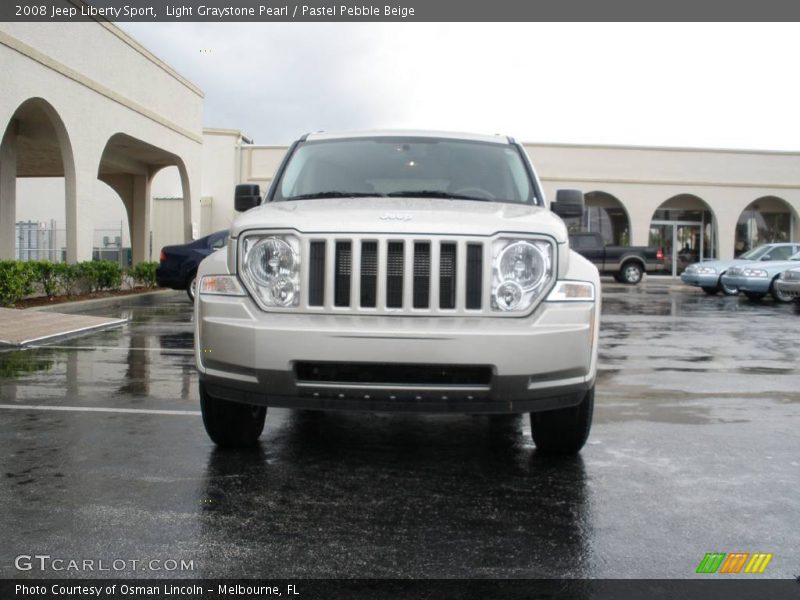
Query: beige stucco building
point(91, 105)
point(88, 103)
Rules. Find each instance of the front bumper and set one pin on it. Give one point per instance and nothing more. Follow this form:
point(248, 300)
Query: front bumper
point(698, 280)
point(791, 287)
point(541, 362)
point(757, 285)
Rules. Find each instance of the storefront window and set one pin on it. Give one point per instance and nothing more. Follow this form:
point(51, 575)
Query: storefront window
point(756, 228)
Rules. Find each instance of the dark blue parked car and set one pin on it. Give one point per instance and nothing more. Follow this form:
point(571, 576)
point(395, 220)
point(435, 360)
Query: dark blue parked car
point(178, 266)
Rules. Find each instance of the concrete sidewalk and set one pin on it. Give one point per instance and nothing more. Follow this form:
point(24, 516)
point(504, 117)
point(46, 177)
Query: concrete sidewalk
point(22, 327)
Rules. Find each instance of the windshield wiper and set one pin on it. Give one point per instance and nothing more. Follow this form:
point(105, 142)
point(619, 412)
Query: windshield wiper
point(336, 194)
point(434, 194)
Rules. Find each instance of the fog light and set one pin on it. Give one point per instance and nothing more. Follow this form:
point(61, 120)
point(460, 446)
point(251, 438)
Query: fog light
point(508, 295)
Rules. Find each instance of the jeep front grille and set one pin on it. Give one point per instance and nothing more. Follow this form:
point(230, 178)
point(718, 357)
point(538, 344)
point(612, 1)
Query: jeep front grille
point(389, 275)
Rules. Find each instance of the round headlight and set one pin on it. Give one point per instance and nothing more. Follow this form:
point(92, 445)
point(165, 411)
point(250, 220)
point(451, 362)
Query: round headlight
point(522, 263)
point(271, 258)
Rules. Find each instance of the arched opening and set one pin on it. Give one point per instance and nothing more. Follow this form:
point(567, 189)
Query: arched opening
point(684, 228)
point(37, 185)
point(605, 215)
point(132, 168)
point(765, 220)
point(112, 234)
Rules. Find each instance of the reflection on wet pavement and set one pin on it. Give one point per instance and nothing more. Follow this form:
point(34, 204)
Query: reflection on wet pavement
point(694, 448)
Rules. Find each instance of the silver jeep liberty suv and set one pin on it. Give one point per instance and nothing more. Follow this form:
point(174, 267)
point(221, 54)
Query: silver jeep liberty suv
point(400, 271)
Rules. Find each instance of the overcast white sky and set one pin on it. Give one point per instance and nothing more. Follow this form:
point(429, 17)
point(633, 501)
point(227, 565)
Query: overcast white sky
point(712, 85)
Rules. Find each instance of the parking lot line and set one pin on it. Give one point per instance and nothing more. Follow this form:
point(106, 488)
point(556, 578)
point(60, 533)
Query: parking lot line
point(142, 411)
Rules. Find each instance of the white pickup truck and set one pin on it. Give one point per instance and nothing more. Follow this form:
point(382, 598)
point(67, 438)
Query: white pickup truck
point(400, 271)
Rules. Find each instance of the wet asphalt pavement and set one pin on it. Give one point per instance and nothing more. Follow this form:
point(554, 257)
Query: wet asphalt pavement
point(695, 448)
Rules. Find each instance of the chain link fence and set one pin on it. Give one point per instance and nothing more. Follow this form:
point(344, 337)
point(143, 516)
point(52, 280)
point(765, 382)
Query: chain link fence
point(42, 240)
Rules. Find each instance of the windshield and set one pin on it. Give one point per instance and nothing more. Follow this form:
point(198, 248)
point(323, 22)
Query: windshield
point(755, 253)
point(405, 166)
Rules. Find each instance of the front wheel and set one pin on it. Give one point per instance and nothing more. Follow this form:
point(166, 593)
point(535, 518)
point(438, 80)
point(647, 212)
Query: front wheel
point(631, 272)
point(778, 295)
point(711, 291)
point(728, 290)
point(191, 289)
point(565, 430)
point(231, 424)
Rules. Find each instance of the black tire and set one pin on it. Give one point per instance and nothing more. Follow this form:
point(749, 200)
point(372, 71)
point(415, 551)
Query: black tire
point(191, 287)
point(231, 424)
point(618, 278)
point(727, 290)
point(565, 430)
point(779, 296)
point(631, 272)
point(754, 295)
point(710, 291)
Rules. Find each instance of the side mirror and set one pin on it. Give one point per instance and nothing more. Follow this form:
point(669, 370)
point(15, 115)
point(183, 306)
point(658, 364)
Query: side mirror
point(247, 196)
point(569, 203)
point(766, 257)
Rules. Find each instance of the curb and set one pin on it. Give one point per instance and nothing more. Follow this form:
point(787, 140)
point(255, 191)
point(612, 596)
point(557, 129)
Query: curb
point(79, 305)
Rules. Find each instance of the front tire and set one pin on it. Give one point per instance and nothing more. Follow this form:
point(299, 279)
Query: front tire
point(191, 289)
point(778, 295)
point(631, 273)
point(231, 424)
point(728, 290)
point(711, 291)
point(565, 430)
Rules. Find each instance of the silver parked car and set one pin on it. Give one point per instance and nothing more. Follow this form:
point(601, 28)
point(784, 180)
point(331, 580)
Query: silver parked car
point(708, 275)
point(788, 284)
point(388, 271)
point(757, 279)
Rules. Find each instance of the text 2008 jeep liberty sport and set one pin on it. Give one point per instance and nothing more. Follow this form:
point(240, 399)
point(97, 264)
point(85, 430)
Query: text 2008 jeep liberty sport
point(400, 271)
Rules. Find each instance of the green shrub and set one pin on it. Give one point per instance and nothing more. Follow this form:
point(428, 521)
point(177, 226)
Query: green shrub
point(96, 275)
point(144, 274)
point(107, 275)
point(17, 278)
point(46, 274)
point(69, 278)
point(16, 281)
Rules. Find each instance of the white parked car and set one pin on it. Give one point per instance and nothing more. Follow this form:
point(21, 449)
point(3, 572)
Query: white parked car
point(396, 271)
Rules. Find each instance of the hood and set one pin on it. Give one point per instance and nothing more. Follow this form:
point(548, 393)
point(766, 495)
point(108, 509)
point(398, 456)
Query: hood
point(402, 216)
point(721, 265)
point(770, 266)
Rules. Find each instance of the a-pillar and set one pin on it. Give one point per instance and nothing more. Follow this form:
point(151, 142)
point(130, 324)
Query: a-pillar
point(140, 219)
point(8, 194)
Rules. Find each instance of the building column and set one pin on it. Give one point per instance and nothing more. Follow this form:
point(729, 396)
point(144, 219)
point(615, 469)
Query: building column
point(80, 190)
point(8, 194)
point(190, 184)
point(140, 219)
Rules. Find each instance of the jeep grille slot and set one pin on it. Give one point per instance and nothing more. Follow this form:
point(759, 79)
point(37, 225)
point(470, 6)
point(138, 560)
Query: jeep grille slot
point(316, 274)
point(422, 274)
point(343, 271)
point(369, 274)
point(396, 374)
point(474, 275)
point(394, 275)
point(447, 276)
point(397, 274)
